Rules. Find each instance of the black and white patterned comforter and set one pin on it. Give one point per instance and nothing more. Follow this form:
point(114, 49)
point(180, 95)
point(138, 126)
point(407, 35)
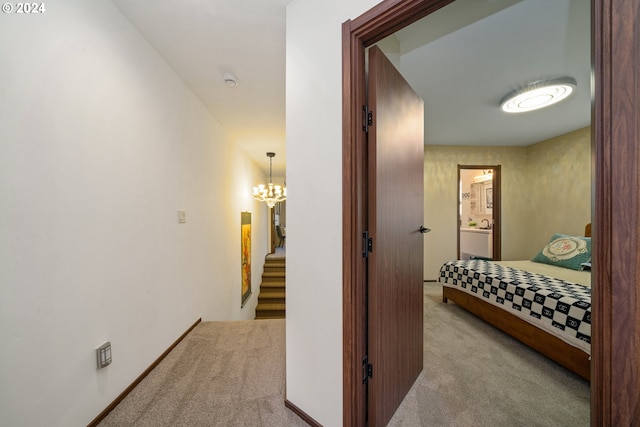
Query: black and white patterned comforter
point(559, 307)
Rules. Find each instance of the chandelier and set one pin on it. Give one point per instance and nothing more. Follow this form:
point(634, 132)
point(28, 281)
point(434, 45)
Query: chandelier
point(270, 193)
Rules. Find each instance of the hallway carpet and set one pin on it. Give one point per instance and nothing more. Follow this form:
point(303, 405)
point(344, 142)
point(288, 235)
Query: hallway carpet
point(222, 374)
point(232, 374)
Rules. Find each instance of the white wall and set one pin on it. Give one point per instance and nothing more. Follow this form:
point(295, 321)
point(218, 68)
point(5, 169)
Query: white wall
point(100, 144)
point(314, 207)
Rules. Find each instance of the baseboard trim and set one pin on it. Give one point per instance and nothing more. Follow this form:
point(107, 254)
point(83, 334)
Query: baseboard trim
point(299, 412)
point(137, 381)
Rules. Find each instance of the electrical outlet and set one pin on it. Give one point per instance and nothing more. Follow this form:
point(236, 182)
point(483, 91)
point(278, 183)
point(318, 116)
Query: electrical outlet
point(182, 216)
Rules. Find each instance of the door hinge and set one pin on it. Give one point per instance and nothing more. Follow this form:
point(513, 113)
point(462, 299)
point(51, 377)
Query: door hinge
point(367, 118)
point(367, 244)
point(367, 370)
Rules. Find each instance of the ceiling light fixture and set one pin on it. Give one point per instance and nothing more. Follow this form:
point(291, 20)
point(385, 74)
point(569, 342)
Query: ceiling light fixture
point(270, 193)
point(230, 80)
point(538, 95)
point(487, 175)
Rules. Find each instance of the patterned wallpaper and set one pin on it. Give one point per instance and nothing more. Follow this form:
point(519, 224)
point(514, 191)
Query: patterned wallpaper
point(560, 174)
point(546, 189)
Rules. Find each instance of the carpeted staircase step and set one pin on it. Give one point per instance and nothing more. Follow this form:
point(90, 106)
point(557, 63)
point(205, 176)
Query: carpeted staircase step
point(272, 296)
point(273, 284)
point(270, 311)
point(275, 266)
point(270, 316)
point(273, 276)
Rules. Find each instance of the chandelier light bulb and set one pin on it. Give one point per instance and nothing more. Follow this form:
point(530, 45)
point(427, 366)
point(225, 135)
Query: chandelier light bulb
point(270, 193)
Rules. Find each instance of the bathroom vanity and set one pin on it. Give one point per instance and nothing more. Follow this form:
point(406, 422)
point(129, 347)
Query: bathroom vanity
point(476, 242)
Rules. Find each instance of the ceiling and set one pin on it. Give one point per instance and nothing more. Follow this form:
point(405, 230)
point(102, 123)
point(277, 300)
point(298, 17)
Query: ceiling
point(466, 57)
point(202, 40)
point(462, 61)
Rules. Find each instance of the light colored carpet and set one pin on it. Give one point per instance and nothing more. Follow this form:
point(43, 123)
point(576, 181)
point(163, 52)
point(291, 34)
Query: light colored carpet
point(222, 374)
point(280, 252)
point(475, 375)
point(233, 374)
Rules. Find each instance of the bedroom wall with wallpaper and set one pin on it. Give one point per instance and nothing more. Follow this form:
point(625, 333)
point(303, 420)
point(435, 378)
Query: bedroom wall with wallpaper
point(546, 189)
point(559, 171)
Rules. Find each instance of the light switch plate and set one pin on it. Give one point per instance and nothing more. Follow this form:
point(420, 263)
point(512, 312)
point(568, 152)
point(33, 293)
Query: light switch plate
point(182, 216)
point(103, 355)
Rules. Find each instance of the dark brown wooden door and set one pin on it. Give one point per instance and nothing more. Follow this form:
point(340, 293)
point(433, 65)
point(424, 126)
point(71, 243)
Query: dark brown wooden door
point(395, 150)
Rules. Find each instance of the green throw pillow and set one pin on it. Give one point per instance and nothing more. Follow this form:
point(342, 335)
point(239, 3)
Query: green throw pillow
point(565, 251)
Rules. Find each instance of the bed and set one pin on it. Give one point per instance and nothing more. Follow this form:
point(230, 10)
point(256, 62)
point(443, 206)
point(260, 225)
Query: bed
point(545, 303)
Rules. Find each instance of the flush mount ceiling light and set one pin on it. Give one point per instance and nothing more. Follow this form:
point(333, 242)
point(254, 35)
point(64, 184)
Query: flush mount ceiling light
point(538, 95)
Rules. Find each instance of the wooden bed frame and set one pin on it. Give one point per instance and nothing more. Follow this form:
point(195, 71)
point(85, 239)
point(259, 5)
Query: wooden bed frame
point(554, 348)
point(551, 346)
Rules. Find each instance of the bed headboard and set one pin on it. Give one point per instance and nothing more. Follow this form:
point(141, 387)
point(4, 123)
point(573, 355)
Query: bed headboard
point(587, 230)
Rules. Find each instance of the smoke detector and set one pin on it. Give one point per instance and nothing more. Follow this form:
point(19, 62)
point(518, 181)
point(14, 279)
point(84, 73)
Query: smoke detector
point(230, 80)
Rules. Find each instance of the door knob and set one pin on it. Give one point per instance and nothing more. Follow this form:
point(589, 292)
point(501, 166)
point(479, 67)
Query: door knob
point(424, 229)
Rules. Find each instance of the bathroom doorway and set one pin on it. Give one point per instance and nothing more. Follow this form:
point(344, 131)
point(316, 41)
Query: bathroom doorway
point(479, 202)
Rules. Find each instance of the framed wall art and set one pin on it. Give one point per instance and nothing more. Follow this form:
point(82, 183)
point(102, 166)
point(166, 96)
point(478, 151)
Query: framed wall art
point(245, 255)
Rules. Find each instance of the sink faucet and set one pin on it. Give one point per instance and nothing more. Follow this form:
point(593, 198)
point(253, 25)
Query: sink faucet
point(488, 225)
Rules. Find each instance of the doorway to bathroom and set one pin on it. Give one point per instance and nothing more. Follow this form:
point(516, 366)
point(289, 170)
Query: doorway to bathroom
point(479, 202)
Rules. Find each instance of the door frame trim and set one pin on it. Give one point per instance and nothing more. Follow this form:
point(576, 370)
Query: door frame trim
point(615, 380)
point(375, 24)
point(497, 208)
